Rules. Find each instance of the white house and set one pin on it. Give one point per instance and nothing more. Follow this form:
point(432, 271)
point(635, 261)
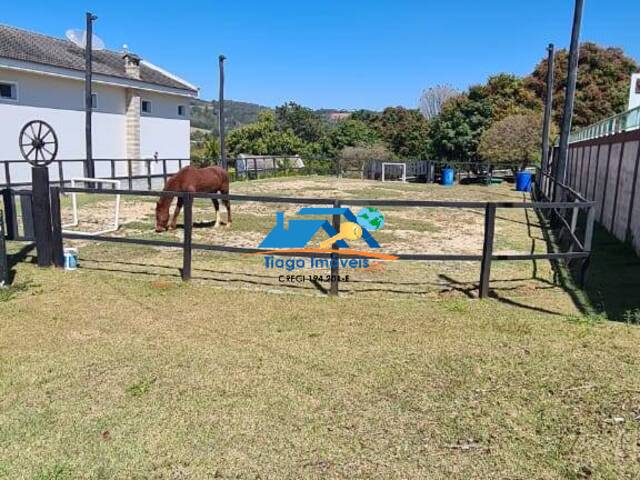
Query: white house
point(634, 91)
point(139, 109)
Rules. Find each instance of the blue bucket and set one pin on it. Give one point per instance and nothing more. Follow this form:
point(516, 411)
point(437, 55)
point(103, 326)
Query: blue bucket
point(523, 181)
point(447, 176)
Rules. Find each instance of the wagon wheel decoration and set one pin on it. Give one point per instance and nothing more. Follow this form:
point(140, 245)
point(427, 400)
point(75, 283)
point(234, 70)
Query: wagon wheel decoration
point(38, 143)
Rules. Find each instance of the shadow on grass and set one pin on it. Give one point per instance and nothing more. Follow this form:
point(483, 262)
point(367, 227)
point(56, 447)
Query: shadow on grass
point(20, 256)
point(613, 279)
point(613, 284)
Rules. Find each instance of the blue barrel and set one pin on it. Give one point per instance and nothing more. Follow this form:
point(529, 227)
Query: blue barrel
point(447, 176)
point(523, 181)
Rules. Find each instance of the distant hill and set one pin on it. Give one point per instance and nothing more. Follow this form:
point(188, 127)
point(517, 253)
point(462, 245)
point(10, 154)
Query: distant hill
point(204, 114)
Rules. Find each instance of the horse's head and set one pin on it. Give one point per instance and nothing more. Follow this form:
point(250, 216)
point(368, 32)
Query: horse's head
point(162, 214)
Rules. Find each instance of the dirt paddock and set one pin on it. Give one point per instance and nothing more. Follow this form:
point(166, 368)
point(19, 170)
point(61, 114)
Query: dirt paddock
point(406, 230)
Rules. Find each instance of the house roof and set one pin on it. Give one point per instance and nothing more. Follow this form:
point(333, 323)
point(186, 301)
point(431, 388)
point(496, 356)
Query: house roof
point(37, 48)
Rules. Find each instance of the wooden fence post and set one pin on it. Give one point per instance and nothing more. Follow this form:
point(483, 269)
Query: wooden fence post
point(129, 174)
point(57, 249)
point(588, 245)
point(149, 174)
point(487, 248)
point(41, 214)
point(335, 257)
point(7, 174)
point(11, 216)
point(26, 208)
point(188, 232)
point(4, 265)
point(574, 221)
point(60, 173)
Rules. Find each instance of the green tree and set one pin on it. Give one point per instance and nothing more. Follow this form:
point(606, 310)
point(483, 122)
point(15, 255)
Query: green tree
point(349, 133)
point(515, 139)
point(508, 95)
point(602, 88)
point(455, 133)
point(263, 138)
point(301, 121)
point(404, 131)
point(205, 150)
point(367, 116)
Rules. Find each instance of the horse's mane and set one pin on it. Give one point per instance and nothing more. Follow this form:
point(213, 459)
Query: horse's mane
point(165, 201)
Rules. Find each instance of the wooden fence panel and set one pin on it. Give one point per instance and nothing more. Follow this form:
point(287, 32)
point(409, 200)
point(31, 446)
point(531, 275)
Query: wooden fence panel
point(584, 174)
point(593, 169)
point(606, 170)
point(634, 225)
point(601, 176)
point(571, 168)
point(578, 169)
point(625, 190)
point(578, 173)
point(611, 185)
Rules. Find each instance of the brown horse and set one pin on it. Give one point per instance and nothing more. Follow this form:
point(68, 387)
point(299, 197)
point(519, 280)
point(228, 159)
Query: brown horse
point(192, 179)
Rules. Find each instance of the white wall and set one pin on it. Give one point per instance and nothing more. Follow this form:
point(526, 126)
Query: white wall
point(164, 131)
point(60, 102)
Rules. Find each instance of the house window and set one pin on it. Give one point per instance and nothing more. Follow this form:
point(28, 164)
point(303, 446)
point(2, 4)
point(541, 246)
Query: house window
point(94, 101)
point(181, 110)
point(8, 91)
point(146, 106)
point(638, 86)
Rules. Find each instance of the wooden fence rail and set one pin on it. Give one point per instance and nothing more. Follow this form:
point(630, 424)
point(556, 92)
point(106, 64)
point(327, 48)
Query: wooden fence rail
point(578, 248)
point(566, 214)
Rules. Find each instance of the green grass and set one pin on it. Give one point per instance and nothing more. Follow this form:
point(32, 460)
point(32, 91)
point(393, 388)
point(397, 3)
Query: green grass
point(120, 370)
point(187, 380)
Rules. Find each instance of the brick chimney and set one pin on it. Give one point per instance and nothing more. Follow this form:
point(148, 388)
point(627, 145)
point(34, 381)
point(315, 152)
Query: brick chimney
point(132, 65)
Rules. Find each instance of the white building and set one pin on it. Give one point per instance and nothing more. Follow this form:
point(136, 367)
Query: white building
point(139, 109)
point(634, 91)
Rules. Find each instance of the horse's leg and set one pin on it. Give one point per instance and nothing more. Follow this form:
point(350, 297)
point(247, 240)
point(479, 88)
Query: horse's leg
point(227, 205)
point(216, 205)
point(174, 221)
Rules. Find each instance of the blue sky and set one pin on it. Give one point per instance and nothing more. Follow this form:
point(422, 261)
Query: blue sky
point(336, 54)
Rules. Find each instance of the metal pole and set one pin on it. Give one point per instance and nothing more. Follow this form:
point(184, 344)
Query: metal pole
point(572, 78)
point(223, 158)
point(89, 169)
point(546, 126)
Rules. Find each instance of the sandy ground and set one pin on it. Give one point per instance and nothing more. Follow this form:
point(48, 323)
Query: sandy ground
point(406, 230)
point(409, 230)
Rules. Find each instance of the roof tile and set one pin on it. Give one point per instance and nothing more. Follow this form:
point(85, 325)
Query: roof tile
point(34, 47)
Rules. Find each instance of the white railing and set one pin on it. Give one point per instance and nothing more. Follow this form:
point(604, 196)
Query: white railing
point(622, 122)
